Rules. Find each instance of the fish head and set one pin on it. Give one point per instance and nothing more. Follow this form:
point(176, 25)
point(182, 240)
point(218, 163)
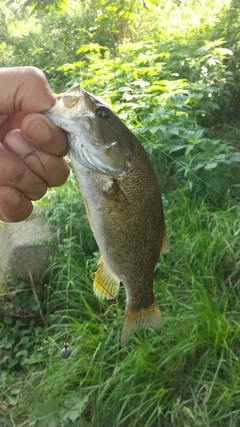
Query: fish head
point(96, 135)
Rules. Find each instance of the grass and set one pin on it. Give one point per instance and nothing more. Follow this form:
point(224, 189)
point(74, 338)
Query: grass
point(185, 375)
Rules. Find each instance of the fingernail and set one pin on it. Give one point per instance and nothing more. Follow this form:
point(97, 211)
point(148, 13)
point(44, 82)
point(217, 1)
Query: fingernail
point(39, 131)
point(12, 199)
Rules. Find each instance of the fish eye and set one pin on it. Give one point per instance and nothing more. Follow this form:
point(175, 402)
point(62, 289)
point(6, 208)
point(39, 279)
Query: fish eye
point(102, 112)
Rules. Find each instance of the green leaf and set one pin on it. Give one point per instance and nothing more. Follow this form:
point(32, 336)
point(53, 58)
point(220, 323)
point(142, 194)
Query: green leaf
point(75, 407)
point(45, 414)
point(211, 165)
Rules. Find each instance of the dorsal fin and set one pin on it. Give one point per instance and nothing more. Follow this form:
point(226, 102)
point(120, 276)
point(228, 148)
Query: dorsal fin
point(165, 242)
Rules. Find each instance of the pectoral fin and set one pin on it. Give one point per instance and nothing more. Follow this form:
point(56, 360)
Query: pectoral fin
point(105, 284)
point(88, 213)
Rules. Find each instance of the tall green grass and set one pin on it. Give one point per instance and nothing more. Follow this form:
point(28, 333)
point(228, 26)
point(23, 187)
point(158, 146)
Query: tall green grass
point(185, 375)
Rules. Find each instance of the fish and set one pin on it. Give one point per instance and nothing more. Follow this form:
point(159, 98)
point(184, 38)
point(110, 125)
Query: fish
point(123, 203)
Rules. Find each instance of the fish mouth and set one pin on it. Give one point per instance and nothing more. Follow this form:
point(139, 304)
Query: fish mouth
point(75, 107)
point(75, 102)
point(72, 97)
point(71, 104)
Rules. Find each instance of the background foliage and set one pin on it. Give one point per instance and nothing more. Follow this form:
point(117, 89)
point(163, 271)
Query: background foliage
point(171, 72)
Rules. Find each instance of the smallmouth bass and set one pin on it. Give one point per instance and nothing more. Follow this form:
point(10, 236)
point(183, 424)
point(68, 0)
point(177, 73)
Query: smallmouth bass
point(122, 200)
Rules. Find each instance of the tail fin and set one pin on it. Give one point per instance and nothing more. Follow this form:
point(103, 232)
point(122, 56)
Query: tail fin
point(150, 316)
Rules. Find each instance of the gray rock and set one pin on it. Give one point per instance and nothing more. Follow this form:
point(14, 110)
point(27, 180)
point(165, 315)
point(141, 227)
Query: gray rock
point(26, 248)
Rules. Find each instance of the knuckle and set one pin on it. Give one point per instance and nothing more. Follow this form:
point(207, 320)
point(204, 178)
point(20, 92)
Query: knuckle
point(34, 73)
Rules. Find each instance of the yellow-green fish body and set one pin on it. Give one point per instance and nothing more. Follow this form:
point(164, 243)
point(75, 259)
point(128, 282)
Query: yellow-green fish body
point(122, 200)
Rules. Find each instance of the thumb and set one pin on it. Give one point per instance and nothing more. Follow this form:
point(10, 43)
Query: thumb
point(24, 89)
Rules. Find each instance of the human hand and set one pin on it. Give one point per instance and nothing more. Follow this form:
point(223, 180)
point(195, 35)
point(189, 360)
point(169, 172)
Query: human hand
point(31, 146)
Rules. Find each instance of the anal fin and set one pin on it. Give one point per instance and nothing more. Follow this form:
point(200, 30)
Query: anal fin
point(105, 284)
